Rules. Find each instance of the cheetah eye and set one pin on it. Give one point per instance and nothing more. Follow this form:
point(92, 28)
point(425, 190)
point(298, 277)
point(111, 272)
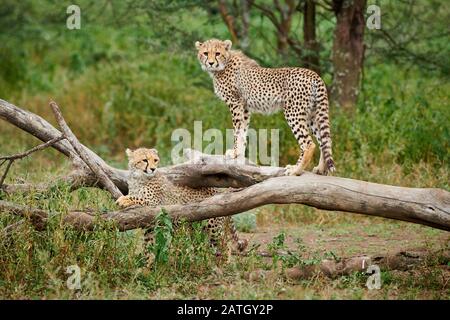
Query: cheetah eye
point(156, 160)
point(205, 53)
point(145, 160)
point(217, 54)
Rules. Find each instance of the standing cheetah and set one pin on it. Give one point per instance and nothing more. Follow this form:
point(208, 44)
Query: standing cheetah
point(247, 87)
point(147, 186)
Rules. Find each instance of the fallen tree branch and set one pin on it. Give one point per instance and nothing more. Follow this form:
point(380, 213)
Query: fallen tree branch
point(81, 152)
point(429, 207)
point(44, 131)
point(402, 261)
point(204, 170)
point(37, 217)
point(10, 229)
point(263, 185)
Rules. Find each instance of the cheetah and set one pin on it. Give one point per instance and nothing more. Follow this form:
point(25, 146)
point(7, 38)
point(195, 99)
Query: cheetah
point(148, 187)
point(247, 88)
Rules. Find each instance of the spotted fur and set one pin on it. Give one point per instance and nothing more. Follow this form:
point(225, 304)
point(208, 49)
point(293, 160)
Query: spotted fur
point(249, 88)
point(148, 187)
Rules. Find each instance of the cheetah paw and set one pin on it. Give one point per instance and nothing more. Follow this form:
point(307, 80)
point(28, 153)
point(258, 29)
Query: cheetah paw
point(231, 154)
point(293, 170)
point(124, 201)
point(319, 170)
point(237, 157)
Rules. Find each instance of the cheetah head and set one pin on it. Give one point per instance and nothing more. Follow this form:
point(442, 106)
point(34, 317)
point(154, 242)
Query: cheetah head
point(213, 54)
point(143, 161)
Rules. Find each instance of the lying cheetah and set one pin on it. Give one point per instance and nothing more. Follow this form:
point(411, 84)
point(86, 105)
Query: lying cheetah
point(147, 186)
point(247, 87)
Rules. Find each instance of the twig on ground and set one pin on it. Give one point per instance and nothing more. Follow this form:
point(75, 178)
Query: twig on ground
point(11, 158)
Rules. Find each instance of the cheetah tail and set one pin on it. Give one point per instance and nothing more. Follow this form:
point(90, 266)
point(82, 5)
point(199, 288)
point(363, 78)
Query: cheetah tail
point(323, 124)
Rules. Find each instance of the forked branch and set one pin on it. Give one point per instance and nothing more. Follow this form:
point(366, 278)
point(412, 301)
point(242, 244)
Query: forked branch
point(81, 152)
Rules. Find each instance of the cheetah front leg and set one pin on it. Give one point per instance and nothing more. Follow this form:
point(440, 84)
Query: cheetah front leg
point(241, 118)
point(125, 201)
point(296, 118)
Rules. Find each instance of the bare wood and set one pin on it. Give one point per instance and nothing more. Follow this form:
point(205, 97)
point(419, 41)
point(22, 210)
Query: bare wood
point(203, 170)
point(34, 125)
point(402, 260)
point(264, 185)
point(37, 217)
point(44, 131)
point(206, 164)
point(331, 268)
point(76, 179)
point(429, 207)
point(90, 161)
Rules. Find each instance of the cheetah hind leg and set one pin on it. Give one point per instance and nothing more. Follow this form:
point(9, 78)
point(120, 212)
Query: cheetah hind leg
point(296, 119)
point(321, 168)
point(303, 161)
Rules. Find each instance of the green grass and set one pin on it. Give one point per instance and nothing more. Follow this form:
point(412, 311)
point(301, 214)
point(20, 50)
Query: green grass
point(119, 265)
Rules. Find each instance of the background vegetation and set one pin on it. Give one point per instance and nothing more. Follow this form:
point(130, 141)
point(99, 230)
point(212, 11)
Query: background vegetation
point(129, 77)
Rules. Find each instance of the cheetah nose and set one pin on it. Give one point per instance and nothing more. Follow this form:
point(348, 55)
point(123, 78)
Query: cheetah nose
point(211, 63)
point(153, 169)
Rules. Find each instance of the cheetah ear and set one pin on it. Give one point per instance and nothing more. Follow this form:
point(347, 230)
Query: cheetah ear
point(129, 152)
point(154, 150)
point(227, 44)
point(198, 44)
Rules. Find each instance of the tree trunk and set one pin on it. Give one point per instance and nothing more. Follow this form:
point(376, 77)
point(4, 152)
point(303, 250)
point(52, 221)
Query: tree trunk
point(309, 35)
point(348, 51)
point(245, 18)
point(286, 14)
point(229, 21)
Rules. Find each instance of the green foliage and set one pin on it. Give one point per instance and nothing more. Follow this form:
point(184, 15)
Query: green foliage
point(163, 237)
point(245, 222)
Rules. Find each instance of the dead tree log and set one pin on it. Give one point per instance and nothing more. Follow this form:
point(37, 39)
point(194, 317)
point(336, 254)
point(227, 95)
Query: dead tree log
point(44, 131)
point(402, 261)
point(37, 217)
point(429, 207)
point(262, 185)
